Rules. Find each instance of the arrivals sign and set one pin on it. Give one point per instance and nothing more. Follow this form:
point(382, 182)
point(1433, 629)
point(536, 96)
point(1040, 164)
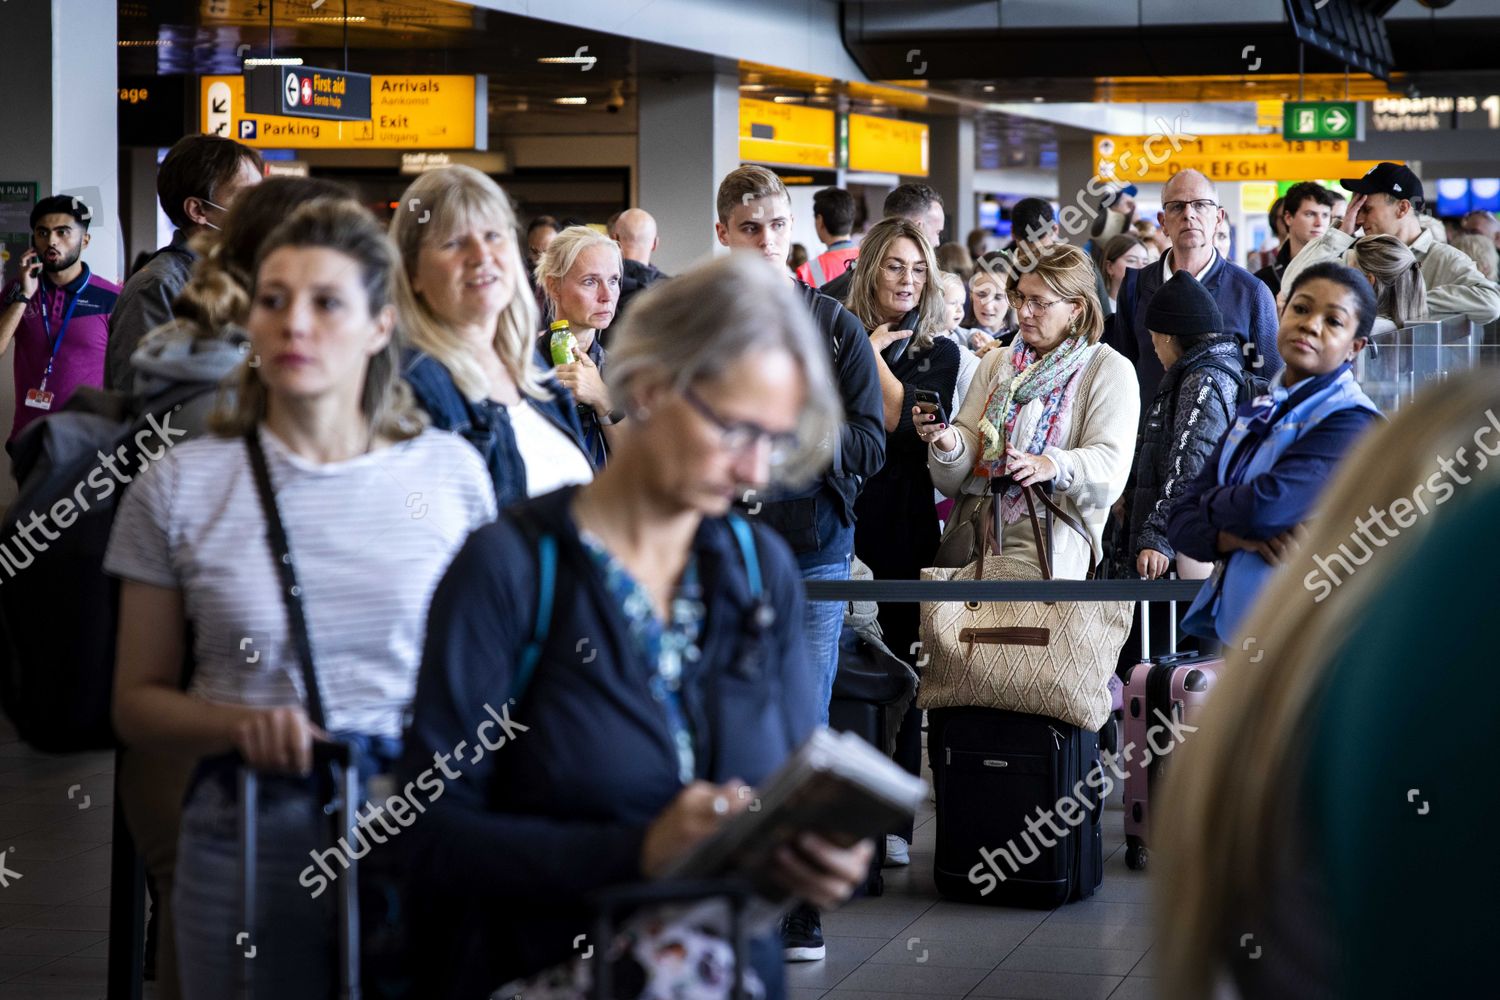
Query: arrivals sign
point(308, 92)
point(1322, 120)
point(1130, 159)
point(406, 112)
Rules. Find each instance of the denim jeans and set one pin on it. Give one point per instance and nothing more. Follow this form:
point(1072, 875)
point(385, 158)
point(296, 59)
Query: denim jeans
point(825, 619)
point(294, 939)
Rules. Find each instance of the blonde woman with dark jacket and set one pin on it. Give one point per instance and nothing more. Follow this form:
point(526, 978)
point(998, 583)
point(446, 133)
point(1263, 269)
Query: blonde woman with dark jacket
point(1055, 406)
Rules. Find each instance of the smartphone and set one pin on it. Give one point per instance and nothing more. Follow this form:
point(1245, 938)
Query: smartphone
point(931, 402)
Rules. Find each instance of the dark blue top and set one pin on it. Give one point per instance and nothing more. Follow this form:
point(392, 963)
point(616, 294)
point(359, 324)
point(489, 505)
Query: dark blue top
point(594, 443)
point(862, 438)
point(1268, 504)
point(484, 423)
point(1247, 305)
point(501, 864)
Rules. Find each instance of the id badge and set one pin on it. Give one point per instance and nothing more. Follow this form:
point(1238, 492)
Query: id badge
point(39, 398)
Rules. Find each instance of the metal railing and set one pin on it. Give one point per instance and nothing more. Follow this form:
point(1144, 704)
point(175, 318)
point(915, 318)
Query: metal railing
point(1399, 363)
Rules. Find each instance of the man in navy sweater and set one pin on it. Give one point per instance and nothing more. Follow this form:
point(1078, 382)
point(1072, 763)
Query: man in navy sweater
point(1190, 215)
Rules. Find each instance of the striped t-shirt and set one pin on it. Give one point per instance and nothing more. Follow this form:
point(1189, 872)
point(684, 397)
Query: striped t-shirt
point(369, 539)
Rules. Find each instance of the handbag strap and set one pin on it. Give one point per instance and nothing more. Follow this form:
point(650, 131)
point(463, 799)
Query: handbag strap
point(290, 591)
point(1033, 493)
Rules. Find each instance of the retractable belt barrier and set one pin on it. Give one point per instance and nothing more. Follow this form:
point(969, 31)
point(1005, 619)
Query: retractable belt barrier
point(915, 591)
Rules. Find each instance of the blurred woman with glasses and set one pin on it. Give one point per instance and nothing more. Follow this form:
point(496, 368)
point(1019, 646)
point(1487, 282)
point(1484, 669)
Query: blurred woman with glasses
point(674, 668)
point(1055, 407)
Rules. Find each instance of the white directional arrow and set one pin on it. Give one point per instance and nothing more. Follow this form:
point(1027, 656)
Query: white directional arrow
point(1335, 119)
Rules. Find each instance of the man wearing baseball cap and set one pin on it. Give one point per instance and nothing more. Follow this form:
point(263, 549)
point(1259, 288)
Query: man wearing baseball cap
point(1388, 200)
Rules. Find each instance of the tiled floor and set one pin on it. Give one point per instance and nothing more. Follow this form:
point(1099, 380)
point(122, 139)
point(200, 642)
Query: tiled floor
point(55, 829)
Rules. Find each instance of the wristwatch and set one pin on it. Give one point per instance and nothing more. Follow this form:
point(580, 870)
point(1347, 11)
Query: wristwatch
point(16, 296)
point(610, 419)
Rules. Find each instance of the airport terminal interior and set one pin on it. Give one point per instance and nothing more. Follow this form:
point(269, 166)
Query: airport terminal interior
point(794, 499)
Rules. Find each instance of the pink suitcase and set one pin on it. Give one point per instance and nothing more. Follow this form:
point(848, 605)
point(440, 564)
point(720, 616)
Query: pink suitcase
point(1162, 695)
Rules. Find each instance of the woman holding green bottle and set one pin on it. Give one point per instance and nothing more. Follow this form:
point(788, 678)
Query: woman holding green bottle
point(580, 274)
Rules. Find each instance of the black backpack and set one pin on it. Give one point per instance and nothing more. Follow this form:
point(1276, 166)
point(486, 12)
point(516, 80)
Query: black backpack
point(1252, 386)
point(58, 609)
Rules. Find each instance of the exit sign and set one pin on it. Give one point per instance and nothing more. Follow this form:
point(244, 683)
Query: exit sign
point(1322, 120)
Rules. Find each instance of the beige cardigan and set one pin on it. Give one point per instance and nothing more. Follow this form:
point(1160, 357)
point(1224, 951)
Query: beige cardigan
point(1100, 445)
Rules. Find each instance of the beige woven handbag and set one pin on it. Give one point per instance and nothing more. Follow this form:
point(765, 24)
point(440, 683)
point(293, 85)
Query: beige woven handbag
point(1038, 657)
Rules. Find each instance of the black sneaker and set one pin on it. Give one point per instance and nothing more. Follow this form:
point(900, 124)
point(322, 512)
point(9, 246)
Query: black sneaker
point(802, 935)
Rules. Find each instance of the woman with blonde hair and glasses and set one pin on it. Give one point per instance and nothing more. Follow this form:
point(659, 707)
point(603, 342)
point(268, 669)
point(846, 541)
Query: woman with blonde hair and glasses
point(698, 680)
point(580, 273)
point(1333, 797)
point(897, 294)
point(1055, 406)
point(287, 541)
point(469, 319)
point(1396, 276)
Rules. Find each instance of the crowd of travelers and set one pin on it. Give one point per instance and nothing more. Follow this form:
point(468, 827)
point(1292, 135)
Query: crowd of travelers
point(388, 470)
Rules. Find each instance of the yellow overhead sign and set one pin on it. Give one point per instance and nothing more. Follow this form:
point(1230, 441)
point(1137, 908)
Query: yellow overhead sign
point(406, 112)
point(1131, 158)
point(790, 134)
point(887, 146)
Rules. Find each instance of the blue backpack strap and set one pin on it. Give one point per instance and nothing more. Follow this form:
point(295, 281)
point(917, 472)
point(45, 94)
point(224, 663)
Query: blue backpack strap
point(746, 538)
point(546, 557)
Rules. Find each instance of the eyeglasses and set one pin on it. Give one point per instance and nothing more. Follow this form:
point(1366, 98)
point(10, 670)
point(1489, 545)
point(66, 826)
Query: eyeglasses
point(1202, 206)
point(739, 437)
point(896, 271)
point(1030, 302)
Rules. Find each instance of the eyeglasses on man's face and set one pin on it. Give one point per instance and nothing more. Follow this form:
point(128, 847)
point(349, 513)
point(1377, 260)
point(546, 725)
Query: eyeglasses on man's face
point(1030, 303)
point(739, 436)
point(1202, 206)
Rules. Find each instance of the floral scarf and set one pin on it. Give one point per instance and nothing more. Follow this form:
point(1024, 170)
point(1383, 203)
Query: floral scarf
point(1025, 378)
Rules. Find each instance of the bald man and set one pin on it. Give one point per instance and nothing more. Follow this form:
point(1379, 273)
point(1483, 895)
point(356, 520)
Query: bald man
point(635, 231)
point(1190, 215)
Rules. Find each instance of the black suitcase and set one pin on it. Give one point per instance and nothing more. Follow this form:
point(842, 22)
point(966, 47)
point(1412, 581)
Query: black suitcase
point(1004, 835)
point(871, 691)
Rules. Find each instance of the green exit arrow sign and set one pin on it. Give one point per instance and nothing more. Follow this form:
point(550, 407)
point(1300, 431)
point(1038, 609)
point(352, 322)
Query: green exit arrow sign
point(1323, 120)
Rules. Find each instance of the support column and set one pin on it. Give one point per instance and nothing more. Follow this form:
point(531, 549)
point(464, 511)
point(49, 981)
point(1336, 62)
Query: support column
point(951, 159)
point(59, 123)
point(689, 139)
point(1075, 168)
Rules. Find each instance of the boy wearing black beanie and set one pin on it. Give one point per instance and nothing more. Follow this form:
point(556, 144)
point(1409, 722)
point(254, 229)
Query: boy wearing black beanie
point(1192, 410)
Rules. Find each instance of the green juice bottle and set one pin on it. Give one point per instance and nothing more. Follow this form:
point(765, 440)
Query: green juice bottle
point(562, 343)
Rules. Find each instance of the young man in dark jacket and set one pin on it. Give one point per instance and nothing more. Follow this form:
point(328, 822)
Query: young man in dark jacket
point(196, 184)
point(1189, 416)
point(755, 216)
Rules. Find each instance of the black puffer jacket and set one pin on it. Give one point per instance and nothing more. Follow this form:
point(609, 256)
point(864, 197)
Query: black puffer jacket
point(1191, 413)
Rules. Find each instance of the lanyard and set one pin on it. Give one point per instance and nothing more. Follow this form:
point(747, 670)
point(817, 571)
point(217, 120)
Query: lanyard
point(61, 330)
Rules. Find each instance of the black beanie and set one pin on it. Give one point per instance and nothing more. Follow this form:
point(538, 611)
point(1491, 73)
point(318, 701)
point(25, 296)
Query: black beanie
point(1183, 307)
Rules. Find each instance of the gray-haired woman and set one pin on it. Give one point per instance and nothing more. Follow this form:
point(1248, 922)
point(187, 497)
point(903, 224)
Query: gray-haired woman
point(698, 677)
